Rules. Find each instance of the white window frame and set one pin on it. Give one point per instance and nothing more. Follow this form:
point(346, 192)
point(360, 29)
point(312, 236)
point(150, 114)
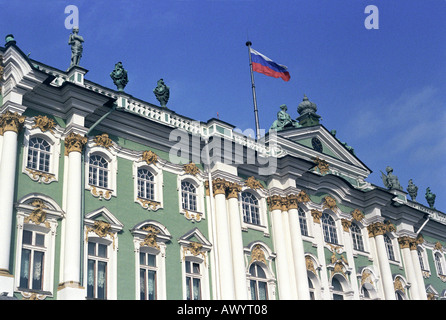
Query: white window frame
point(441, 261)
point(162, 237)
point(49, 228)
point(110, 239)
point(99, 241)
point(261, 198)
point(335, 226)
point(111, 158)
point(360, 234)
point(157, 172)
point(302, 209)
point(54, 142)
point(198, 183)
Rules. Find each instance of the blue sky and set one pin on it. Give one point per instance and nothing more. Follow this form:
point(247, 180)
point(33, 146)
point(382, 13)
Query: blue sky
point(383, 90)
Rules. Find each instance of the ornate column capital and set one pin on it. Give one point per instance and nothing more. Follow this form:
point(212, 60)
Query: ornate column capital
point(74, 142)
point(377, 229)
point(317, 215)
point(10, 121)
point(233, 189)
point(219, 186)
point(274, 202)
point(406, 242)
point(293, 201)
point(303, 197)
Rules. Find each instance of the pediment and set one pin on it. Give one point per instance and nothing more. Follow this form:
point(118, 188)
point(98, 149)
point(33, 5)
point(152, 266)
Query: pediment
point(195, 236)
point(317, 142)
point(103, 214)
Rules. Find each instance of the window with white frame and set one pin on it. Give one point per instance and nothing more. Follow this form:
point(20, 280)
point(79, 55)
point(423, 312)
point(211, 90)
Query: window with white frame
point(329, 228)
point(193, 279)
point(258, 282)
point(250, 207)
point(39, 153)
point(356, 234)
point(146, 184)
point(338, 290)
point(32, 260)
point(303, 222)
point(148, 269)
point(439, 263)
point(98, 172)
point(389, 248)
point(420, 253)
point(188, 196)
point(97, 270)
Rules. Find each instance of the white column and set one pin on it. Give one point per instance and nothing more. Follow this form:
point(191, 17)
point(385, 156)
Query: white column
point(418, 272)
point(300, 268)
point(408, 266)
point(10, 125)
point(383, 261)
point(71, 287)
point(289, 249)
point(283, 278)
point(223, 242)
point(241, 292)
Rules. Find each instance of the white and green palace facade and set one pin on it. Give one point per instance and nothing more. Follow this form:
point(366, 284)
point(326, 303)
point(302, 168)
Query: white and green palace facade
point(105, 196)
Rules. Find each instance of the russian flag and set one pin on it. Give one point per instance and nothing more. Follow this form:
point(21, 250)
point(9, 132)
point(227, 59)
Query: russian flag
point(265, 65)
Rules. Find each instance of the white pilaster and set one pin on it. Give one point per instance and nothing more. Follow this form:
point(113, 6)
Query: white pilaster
point(418, 273)
point(384, 267)
point(410, 272)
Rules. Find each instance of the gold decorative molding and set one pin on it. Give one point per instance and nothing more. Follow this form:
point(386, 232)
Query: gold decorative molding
point(101, 194)
point(438, 246)
point(148, 204)
point(303, 197)
point(317, 215)
point(398, 285)
point(346, 224)
point(329, 203)
point(257, 254)
point(102, 229)
point(274, 202)
point(74, 142)
point(41, 176)
point(192, 215)
point(149, 157)
point(103, 140)
point(44, 124)
point(358, 215)
point(254, 184)
point(150, 238)
point(11, 122)
point(38, 215)
point(366, 277)
point(322, 165)
point(376, 229)
point(191, 168)
point(310, 264)
point(232, 190)
point(195, 249)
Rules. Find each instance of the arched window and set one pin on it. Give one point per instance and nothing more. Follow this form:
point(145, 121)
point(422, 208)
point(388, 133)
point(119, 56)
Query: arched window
point(98, 171)
point(358, 243)
point(389, 248)
point(250, 206)
point(303, 222)
point(258, 282)
point(188, 196)
point(39, 152)
point(338, 291)
point(146, 189)
point(329, 229)
point(439, 263)
point(421, 258)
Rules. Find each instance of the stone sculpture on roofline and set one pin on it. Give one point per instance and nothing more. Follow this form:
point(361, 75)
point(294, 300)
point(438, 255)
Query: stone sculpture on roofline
point(119, 76)
point(162, 92)
point(390, 180)
point(75, 41)
point(412, 189)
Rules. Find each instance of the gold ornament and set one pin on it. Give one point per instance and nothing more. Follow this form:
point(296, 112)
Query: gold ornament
point(11, 122)
point(149, 157)
point(254, 184)
point(103, 141)
point(44, 124)
point(74, 142)
point(322, 165)
point(257, 254)
point(191, 168)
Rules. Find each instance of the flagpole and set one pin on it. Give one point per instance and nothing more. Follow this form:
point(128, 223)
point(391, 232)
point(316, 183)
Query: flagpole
point(256, 113)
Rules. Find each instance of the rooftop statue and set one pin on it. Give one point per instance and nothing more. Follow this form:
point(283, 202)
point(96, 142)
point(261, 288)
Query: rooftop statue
point(307, 113)
point(162, 92)
point(119, 76)
point(412, 189)
point(390, 181)
point(284, 120)
point(75, 41)
point(349, 148)
point(430, 198)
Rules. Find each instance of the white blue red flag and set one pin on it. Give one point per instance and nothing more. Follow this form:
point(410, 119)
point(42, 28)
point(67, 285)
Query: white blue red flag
point(263, 64)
